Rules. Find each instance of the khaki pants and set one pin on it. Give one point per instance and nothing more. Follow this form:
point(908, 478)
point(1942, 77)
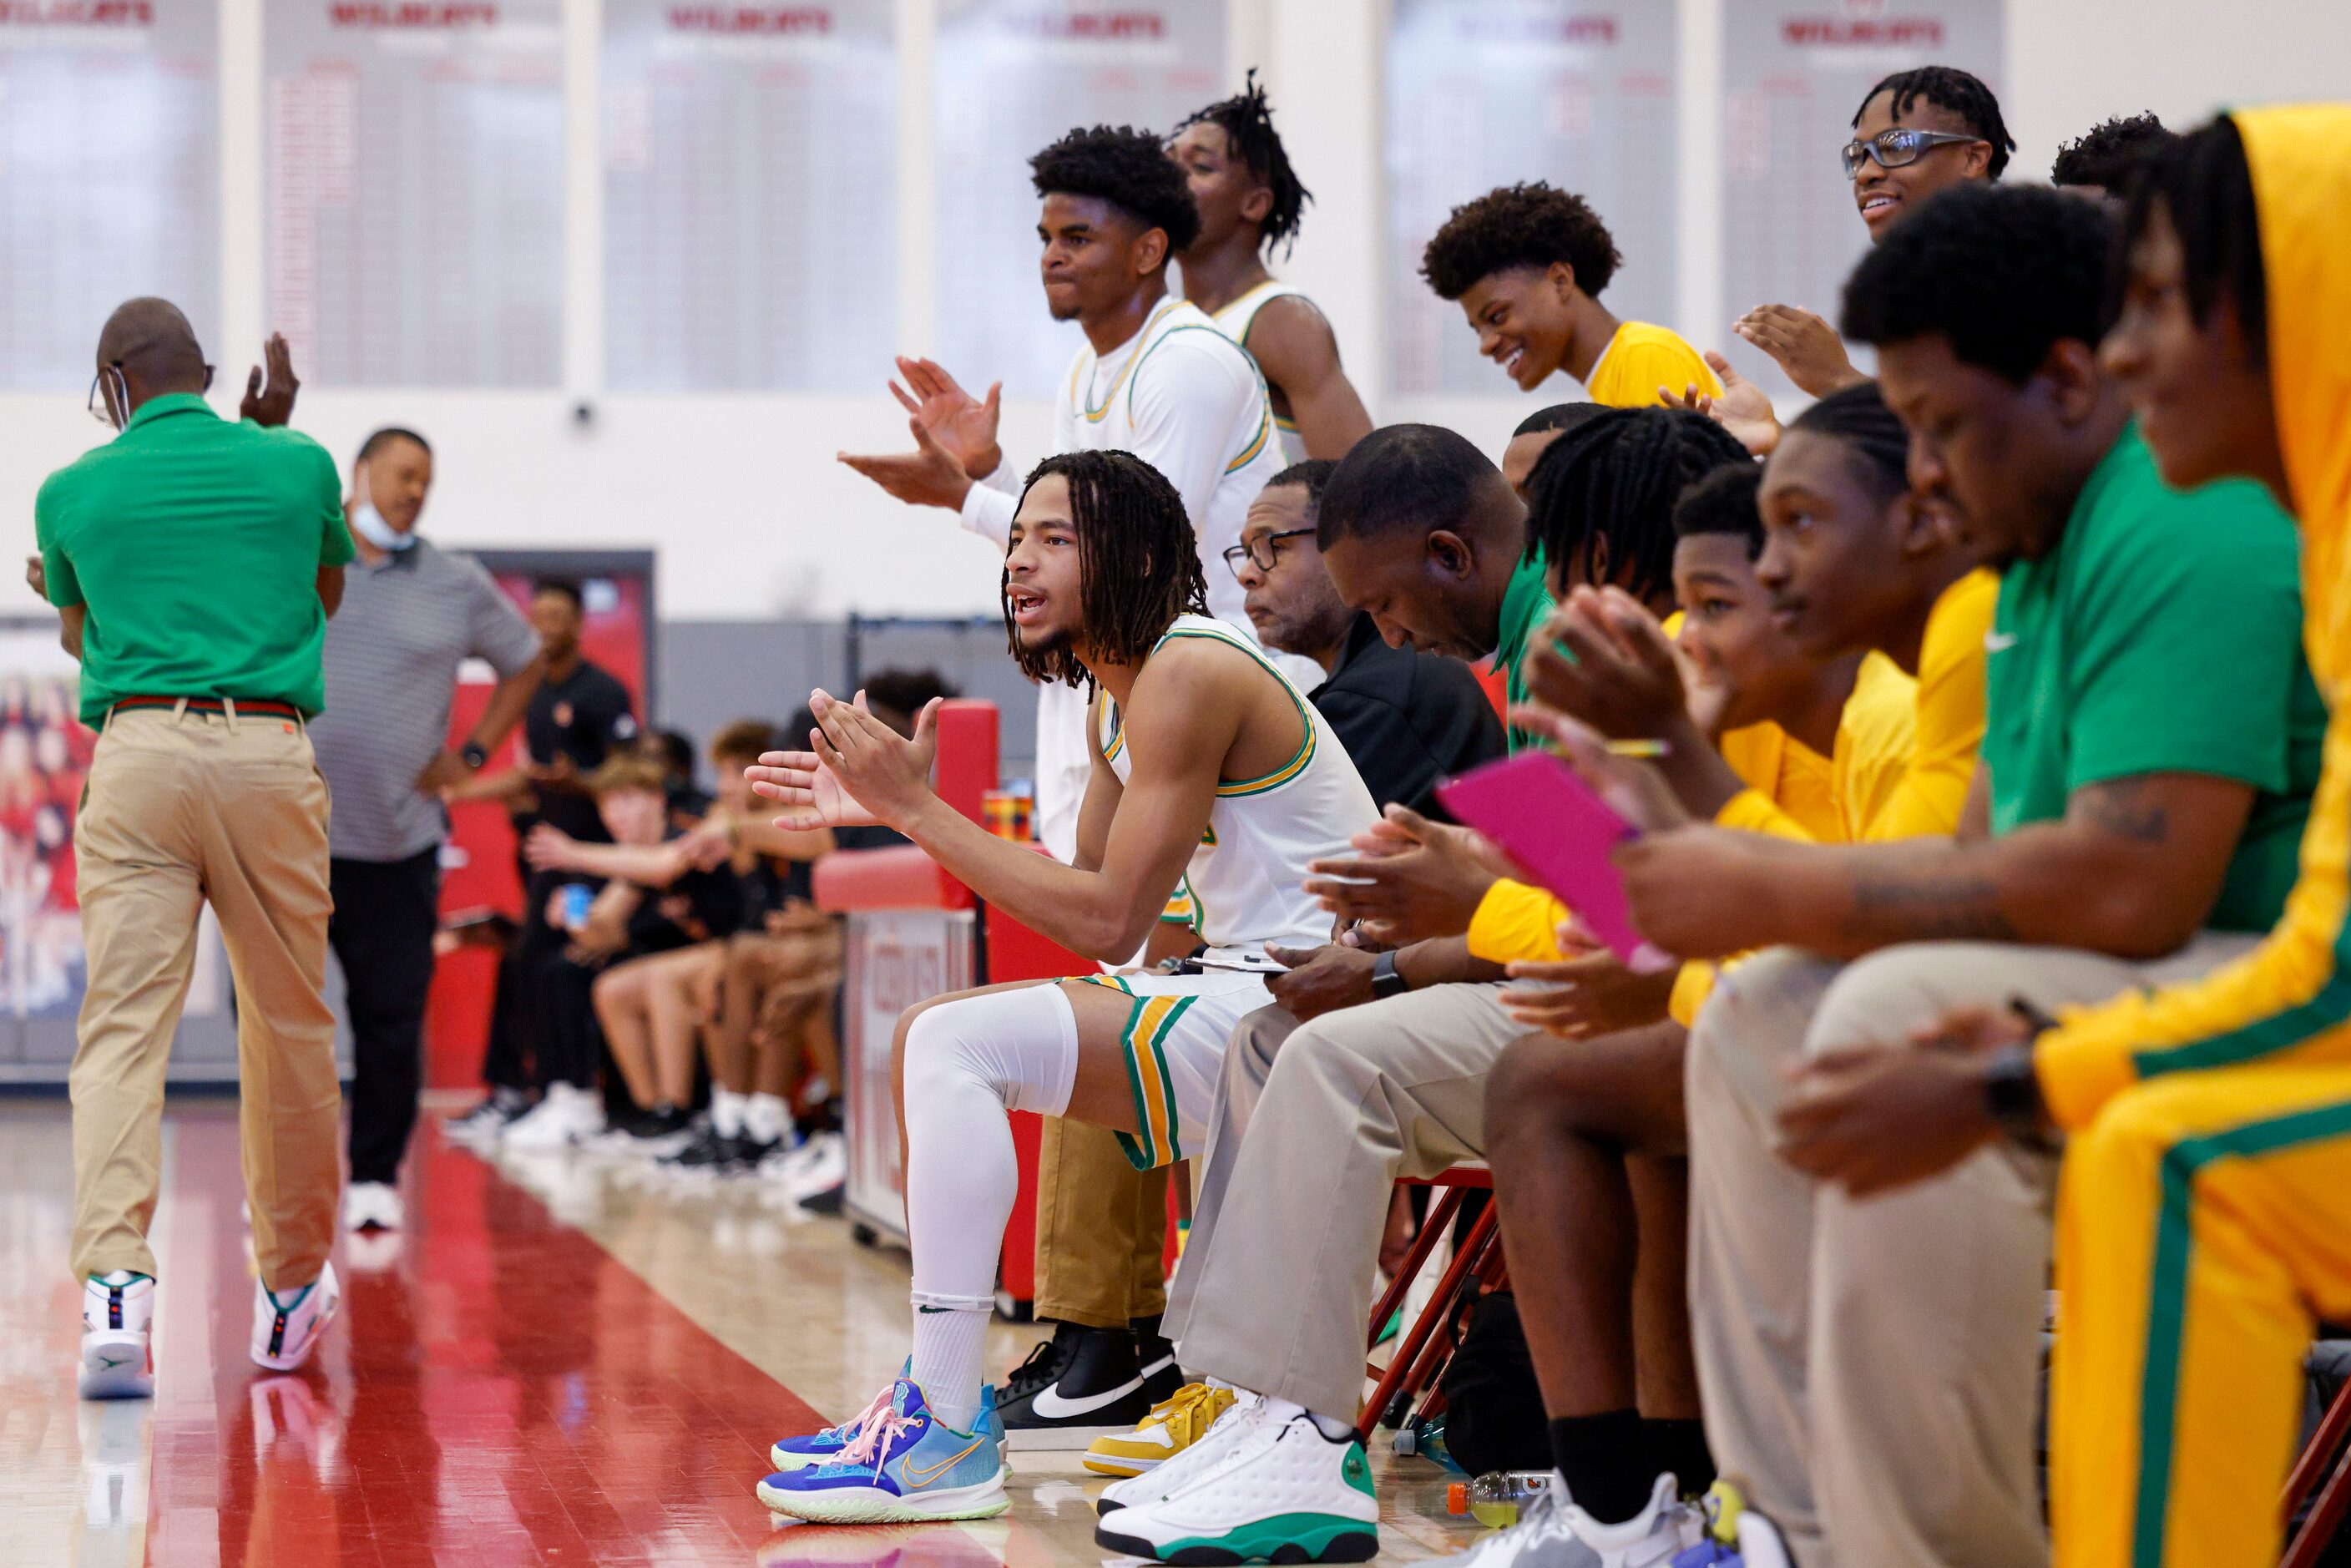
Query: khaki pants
point(1277, 1278)
point(1869, 1368)
point(181, 810)
point(1102, 1229)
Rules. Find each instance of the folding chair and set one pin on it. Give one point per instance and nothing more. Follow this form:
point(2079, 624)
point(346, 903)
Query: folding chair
point(2322, 1480)
point(1420, 1356)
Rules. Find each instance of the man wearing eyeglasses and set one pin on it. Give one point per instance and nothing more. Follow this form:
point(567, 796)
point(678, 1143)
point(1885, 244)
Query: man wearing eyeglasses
point(1917, 132)
point(193, 564)
point(1407, 719)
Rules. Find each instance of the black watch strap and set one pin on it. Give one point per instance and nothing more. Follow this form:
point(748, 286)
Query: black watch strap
point(1386, 981)
point(473, 755)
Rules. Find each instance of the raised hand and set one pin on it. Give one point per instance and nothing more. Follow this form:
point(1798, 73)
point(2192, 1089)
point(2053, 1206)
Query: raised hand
point(962, 423)
point(857, 772)
point(929, 476)
point(1620, 674)
point(1744, 409)
point(1805, 347)
point(272, 403)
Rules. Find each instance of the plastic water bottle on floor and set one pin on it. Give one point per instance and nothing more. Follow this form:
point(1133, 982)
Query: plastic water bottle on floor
point(1495, 1498)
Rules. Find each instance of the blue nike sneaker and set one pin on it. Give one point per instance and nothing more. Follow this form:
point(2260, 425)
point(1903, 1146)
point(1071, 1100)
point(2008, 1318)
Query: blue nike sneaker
point(903, 1466)
point(824, 1448)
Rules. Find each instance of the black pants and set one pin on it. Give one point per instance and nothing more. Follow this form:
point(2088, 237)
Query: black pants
point(563, 1011)
point(513, 1057)
point(382, 931)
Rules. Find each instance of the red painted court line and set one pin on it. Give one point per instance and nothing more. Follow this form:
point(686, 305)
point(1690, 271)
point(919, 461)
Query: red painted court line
point(502, 1391)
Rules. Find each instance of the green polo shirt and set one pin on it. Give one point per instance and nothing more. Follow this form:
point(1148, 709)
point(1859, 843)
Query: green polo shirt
point(1525, 600)
point(195, 544)
point(2163, 634)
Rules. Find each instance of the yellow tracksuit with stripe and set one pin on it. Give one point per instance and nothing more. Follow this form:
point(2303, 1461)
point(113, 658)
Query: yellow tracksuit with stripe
point(2205, 1216)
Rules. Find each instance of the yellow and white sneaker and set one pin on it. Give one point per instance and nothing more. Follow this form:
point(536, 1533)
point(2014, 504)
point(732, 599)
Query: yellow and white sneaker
point(1174, 1424)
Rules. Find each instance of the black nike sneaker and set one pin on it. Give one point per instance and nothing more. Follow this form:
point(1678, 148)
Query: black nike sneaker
point(1079, 1385)
point(1155, 1357)
point(707, 1152)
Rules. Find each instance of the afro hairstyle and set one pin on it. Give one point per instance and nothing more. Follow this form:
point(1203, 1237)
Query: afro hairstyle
point(2106, 155)
point(2003, 272)
point(1128, 168)
point(1520, 225)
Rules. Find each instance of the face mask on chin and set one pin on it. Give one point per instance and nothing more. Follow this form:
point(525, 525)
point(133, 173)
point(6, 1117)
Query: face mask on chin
point(368, 524)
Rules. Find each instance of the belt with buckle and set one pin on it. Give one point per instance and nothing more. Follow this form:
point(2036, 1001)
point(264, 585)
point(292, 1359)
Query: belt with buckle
point(261, 707)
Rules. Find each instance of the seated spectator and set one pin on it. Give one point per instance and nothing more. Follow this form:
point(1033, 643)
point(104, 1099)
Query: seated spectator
point(1587, 1132)
point(2100, 163)
point(654, 898)
point(2198, 1233)
point(781, 948)
point(1384, 1077)
point(1534, 435)
point(2152, 740)
point(673, 752)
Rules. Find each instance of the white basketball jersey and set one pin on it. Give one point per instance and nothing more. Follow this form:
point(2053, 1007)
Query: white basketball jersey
point(1202, 421)
point(1235, 320)
point(1246, 877)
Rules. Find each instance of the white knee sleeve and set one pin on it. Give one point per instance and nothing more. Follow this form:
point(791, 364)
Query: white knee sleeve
point(968, 1064)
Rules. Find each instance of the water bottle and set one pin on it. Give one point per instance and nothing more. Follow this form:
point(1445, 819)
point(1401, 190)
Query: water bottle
point(1494, 1498)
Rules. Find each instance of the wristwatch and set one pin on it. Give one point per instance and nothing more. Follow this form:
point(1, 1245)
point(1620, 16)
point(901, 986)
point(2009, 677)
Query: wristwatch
point(2012, 1087)
point(1386, 980)
point(473, 754)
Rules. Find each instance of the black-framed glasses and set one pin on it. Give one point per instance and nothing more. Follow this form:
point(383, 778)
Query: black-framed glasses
point(100, 406)
point(1260, 552)
point(1893, 149)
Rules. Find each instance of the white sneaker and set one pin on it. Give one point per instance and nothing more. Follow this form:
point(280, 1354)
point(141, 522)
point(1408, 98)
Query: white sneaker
point(1655, 1535)
point(1229, 1427)
point(820, 1164)
point(1280, 1491)
point(373, 1203)
point(486, 1120)
point(285, 1331)
point(118, 1359)
point(569, 1114)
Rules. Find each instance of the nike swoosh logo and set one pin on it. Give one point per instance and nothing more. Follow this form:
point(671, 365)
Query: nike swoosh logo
point(111, 1361)
point(1999, 642)
point(1049, 1404)
point(924, 1476)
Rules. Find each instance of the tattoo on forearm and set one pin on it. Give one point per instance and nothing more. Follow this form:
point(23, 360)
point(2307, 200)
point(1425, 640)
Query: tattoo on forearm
point(2121, 807)
point(1923, 909)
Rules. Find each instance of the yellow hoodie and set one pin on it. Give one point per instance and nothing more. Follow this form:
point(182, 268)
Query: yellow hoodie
point(2291, 998)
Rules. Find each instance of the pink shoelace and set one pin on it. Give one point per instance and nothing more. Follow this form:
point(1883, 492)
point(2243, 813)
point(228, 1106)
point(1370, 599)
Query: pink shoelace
point(878, 1428)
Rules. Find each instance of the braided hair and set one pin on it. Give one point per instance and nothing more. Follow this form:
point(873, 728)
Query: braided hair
point(1857, 418)
point(1613, 480)
point(1138, 568)
point(1948, 88)
point(1246, 120)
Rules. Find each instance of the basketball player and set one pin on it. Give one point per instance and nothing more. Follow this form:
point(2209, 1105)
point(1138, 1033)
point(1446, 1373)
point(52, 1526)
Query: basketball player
point(1155, 377)
point(1209, 767)
point(1249, 201)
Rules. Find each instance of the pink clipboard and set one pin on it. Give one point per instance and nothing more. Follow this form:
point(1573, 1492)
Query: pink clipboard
point(1551, 822)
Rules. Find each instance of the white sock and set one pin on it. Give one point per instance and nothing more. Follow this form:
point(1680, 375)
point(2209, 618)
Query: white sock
point(1330, 1426)
point(950, 1345)
point(726, 1108)
point(970, 1063)
point(765, 1118)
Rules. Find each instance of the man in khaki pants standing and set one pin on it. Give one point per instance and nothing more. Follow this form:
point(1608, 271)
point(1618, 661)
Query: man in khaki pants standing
point(193, 564)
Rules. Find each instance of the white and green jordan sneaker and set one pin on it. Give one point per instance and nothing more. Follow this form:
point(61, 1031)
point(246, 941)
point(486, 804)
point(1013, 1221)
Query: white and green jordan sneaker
point(1271, 1489)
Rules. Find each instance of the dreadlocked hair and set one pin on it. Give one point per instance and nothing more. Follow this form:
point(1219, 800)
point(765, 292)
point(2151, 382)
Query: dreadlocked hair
point(1949, 88)
point(1246, 120)
point(1613, 480)
point(1857, 418)
point(1138, 568)
point(1128, 169)
point(2204, 185)
point(2106, 155)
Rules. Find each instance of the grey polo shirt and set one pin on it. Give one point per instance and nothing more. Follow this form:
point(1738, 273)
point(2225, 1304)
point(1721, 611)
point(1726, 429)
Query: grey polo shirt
point(392, 655)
